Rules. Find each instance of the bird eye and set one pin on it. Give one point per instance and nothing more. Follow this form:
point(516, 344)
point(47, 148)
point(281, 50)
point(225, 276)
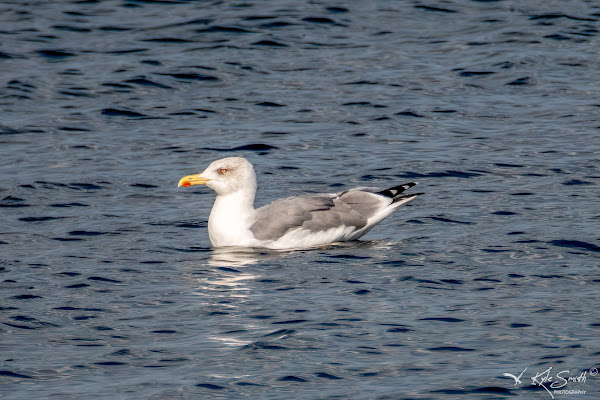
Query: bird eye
point(223, 171)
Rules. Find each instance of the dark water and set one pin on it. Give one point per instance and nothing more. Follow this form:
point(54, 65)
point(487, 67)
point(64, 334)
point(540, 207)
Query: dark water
point(109, 286)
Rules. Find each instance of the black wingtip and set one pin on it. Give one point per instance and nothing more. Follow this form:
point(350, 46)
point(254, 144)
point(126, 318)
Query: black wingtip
point(396, 191)
point(407, 197)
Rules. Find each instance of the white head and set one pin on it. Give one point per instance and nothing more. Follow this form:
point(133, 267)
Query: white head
point(225, 176)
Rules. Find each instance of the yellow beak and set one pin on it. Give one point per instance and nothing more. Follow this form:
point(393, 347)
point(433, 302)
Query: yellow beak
point(192, 180)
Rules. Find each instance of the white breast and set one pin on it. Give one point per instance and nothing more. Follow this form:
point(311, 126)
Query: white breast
point(229, 222)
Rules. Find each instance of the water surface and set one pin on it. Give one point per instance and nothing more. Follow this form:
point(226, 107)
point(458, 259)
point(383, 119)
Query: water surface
point(110, 288)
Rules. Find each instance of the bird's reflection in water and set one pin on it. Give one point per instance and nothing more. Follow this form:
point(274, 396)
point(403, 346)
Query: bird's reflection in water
point(240, 256)
point(228, 269)
point(226, 283)
point(231, 279)
point(226, 272)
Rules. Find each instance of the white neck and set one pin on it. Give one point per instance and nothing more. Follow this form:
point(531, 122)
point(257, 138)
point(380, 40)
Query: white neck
point(230, 219)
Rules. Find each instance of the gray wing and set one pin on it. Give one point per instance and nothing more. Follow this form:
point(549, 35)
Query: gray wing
point(318, 212)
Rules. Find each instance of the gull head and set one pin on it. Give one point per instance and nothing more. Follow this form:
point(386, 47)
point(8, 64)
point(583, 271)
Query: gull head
point(225, 176)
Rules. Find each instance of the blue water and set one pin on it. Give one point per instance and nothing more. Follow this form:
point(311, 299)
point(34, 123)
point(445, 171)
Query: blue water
point(109, 287)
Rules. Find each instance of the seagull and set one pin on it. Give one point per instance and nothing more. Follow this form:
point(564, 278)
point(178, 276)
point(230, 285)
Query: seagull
point(516, 378)
point(294, 222)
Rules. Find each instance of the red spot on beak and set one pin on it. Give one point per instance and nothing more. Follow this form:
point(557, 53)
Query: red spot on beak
point(186, 184)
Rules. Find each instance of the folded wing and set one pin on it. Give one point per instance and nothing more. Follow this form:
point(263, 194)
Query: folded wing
point(320, 212)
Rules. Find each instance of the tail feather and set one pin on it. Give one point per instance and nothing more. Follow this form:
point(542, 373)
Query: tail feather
point(395, 192)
